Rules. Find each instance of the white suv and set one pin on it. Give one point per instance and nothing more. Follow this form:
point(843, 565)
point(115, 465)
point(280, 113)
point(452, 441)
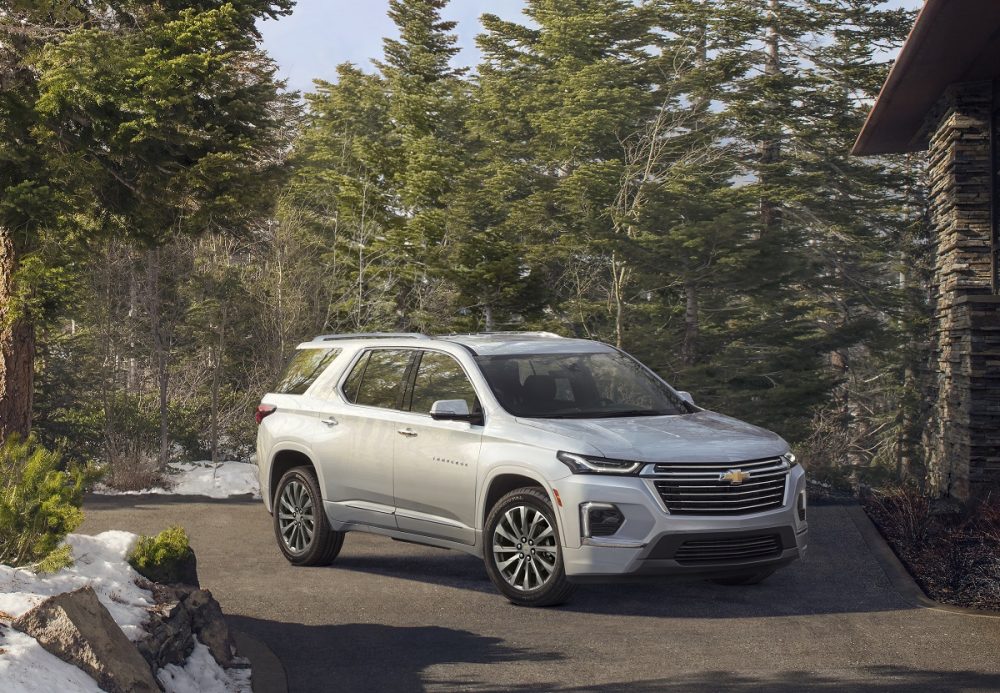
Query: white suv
point(558, 461)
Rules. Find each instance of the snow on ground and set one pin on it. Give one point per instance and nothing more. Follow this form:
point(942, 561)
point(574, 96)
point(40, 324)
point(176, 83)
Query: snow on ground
point(220, 480)
point(201, 673)
point(99, 561)
point(26, 668)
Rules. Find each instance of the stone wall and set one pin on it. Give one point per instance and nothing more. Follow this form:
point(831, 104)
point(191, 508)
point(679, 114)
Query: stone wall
point(963, 435)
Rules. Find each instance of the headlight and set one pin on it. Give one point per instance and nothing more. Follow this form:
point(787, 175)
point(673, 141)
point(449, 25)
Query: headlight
point(789, 458)
point(584, 464)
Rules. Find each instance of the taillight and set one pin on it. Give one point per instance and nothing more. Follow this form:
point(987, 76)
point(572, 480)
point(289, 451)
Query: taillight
point(263, 411)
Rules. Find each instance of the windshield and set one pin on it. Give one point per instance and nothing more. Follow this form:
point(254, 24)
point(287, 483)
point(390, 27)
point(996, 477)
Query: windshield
point(578, 386)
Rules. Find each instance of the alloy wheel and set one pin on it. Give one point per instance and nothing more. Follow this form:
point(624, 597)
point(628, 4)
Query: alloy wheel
point(524, 548)
point(296, 517)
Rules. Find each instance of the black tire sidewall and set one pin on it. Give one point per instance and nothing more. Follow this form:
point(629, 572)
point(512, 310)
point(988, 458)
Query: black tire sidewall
point(319, 546)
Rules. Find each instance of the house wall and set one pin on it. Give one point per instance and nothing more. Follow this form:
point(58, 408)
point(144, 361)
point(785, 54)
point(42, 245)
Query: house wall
point(963, 435)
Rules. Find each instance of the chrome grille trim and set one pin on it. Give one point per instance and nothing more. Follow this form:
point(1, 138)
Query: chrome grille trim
point(697, 489)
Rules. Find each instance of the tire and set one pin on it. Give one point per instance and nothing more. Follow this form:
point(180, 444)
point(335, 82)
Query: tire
point(754, 578)
point(298, 506)
point(526, 572)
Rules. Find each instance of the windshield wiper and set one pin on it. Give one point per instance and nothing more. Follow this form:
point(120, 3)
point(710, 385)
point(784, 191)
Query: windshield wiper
point(607, 414)
point(632, 412)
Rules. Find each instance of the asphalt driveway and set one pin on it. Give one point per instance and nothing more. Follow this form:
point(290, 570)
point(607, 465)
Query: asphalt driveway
point(389, 616)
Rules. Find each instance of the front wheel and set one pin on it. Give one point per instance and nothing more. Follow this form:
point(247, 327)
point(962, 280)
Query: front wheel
point(523, 554)
point(300, 525)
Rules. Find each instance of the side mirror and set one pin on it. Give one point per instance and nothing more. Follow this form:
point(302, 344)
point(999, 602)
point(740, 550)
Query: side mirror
point(686, 396)
point(451, 410)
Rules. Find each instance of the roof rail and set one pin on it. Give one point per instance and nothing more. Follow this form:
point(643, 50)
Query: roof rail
point(370, 335)
point(515, 333)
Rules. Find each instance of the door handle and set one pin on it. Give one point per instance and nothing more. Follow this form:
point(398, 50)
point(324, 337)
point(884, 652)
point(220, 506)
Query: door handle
point(408, 432)
point(330, 421)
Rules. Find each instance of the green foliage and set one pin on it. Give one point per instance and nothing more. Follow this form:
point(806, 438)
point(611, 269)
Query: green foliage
point(39, 502)
point(164, 558)
point(60, 558)
point(668, 175)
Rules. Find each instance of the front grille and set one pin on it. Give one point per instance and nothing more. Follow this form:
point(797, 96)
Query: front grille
point(699, 489)
point(729, 550)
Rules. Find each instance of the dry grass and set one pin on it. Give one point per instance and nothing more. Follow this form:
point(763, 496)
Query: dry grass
point(952, 551)
point(131, 466)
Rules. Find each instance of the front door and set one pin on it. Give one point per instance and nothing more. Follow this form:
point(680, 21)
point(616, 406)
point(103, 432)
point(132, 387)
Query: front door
point(435, 461)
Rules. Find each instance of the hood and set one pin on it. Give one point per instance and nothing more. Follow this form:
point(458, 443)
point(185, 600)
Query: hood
point(700, 437)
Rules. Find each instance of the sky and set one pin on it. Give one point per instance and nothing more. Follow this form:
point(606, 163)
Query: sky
point(321, 34)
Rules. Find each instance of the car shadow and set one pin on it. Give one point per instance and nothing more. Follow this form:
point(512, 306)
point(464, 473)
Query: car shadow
point(374, 657)
point(390, 659)
point(838, 575)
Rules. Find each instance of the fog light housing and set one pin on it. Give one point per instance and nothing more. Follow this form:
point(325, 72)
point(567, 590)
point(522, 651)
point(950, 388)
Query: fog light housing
point(600, 519)
point(801, 506)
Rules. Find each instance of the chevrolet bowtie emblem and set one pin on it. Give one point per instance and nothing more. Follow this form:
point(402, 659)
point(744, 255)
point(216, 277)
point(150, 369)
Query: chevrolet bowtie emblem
point(734, 476)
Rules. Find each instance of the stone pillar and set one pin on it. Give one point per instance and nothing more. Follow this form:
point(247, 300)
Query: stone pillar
point(963, 435)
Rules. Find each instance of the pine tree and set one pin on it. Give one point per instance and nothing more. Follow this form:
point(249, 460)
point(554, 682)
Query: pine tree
point(340, 206)
point(571, 88)
point(427, 104)
point(150, 121)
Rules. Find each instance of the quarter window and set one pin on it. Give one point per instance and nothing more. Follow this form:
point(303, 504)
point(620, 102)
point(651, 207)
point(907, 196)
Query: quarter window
point(303, 369)
point(440, 377)
point(377, 379)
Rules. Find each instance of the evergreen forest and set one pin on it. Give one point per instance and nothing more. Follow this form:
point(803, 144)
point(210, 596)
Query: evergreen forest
point(669, 176)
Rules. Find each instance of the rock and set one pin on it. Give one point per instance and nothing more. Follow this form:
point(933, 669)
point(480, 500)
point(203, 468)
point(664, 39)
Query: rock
point(184, 613)
point(187, 570)
point(210, 626)
point(77, 628)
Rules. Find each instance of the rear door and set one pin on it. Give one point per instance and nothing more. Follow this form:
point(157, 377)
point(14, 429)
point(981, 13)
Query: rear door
point(361, 423)
point(435, 461)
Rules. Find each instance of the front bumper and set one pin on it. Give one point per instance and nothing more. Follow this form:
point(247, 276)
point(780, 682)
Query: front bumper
point(653, 543)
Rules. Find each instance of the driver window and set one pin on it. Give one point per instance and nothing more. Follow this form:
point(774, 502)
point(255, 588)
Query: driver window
point(439, 376)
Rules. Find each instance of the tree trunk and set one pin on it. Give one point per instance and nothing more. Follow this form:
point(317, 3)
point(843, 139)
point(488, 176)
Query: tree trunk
point(619, 275)
point(161, 351)
point(488, 318)
point(770, 145)
point(220, 350)
point(17, 350)
point(692, 318)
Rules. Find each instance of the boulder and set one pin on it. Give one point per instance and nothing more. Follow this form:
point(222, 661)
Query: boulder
point(182, 614)
point(77, 628)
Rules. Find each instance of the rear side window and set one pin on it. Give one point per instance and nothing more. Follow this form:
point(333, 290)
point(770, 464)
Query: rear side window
point(301, 372)
point(377, 378)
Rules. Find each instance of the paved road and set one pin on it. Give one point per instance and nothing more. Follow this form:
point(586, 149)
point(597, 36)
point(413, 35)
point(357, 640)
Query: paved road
point(390, 616)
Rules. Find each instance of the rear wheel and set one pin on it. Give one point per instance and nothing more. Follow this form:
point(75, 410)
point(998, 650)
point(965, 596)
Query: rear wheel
point(300, 525)
point(752, 578)
point(523, 553)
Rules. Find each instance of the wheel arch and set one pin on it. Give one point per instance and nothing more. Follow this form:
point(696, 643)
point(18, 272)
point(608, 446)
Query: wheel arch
point(507, 479)
point(288, 458)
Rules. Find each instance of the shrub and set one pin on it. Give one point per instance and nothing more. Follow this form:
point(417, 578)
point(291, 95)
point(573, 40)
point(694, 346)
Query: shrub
point(61, 558)
point(903, 513)
point(166, 558)
point(39, 503)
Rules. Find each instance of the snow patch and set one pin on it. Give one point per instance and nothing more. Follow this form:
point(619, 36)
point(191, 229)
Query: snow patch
point(201, 673)
point(26, 668)
point(101, 562)
point(220, 480)
point(98, 561)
